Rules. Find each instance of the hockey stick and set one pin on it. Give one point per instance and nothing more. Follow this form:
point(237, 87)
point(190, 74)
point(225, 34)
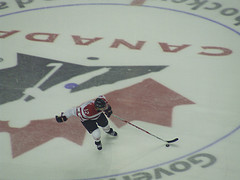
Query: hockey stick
point(169, 141)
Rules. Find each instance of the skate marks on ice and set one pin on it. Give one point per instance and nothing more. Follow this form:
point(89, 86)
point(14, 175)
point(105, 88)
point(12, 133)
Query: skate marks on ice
point(37, 94)
point(147, 101)
point(161, 98)
point(30, 84)
point(41, 73)
point(38, 132)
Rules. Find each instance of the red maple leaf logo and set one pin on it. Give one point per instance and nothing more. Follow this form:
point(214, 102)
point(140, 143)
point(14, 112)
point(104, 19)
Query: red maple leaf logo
point(38, 132)
point(147, 101)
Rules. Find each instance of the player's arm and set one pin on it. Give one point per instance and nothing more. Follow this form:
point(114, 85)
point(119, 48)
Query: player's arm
point(65, 115)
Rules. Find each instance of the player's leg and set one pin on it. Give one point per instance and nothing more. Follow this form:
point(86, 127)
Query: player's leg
point(93, 129)
point(103, 122)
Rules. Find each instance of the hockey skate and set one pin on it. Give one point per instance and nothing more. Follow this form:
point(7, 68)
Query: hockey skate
point(112, 132)
point(99, 145)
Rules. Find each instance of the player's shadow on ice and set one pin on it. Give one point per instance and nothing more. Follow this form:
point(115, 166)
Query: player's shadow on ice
point(109, 140)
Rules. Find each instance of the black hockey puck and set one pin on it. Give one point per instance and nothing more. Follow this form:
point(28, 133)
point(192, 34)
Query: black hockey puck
point(92, 58)
point(167, 145)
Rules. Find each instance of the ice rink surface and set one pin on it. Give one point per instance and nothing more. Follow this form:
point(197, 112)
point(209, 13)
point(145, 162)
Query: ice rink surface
point(168, 66)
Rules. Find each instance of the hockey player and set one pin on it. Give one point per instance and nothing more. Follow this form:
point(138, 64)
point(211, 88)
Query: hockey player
point(92, 115)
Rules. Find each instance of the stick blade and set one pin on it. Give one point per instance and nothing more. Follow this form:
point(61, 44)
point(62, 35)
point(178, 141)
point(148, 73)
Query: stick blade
point(174, 140)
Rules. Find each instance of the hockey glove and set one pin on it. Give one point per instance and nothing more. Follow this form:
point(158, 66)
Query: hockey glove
point(108, 111)
point(61, 118)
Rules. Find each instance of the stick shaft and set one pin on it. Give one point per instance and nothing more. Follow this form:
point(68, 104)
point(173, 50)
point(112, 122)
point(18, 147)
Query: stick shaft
point(139, 128)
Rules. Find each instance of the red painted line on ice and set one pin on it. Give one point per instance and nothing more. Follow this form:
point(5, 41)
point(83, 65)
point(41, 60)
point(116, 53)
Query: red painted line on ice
point(137, 2)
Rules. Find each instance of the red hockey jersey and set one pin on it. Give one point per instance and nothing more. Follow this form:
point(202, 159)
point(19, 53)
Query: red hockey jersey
point(86, 111)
